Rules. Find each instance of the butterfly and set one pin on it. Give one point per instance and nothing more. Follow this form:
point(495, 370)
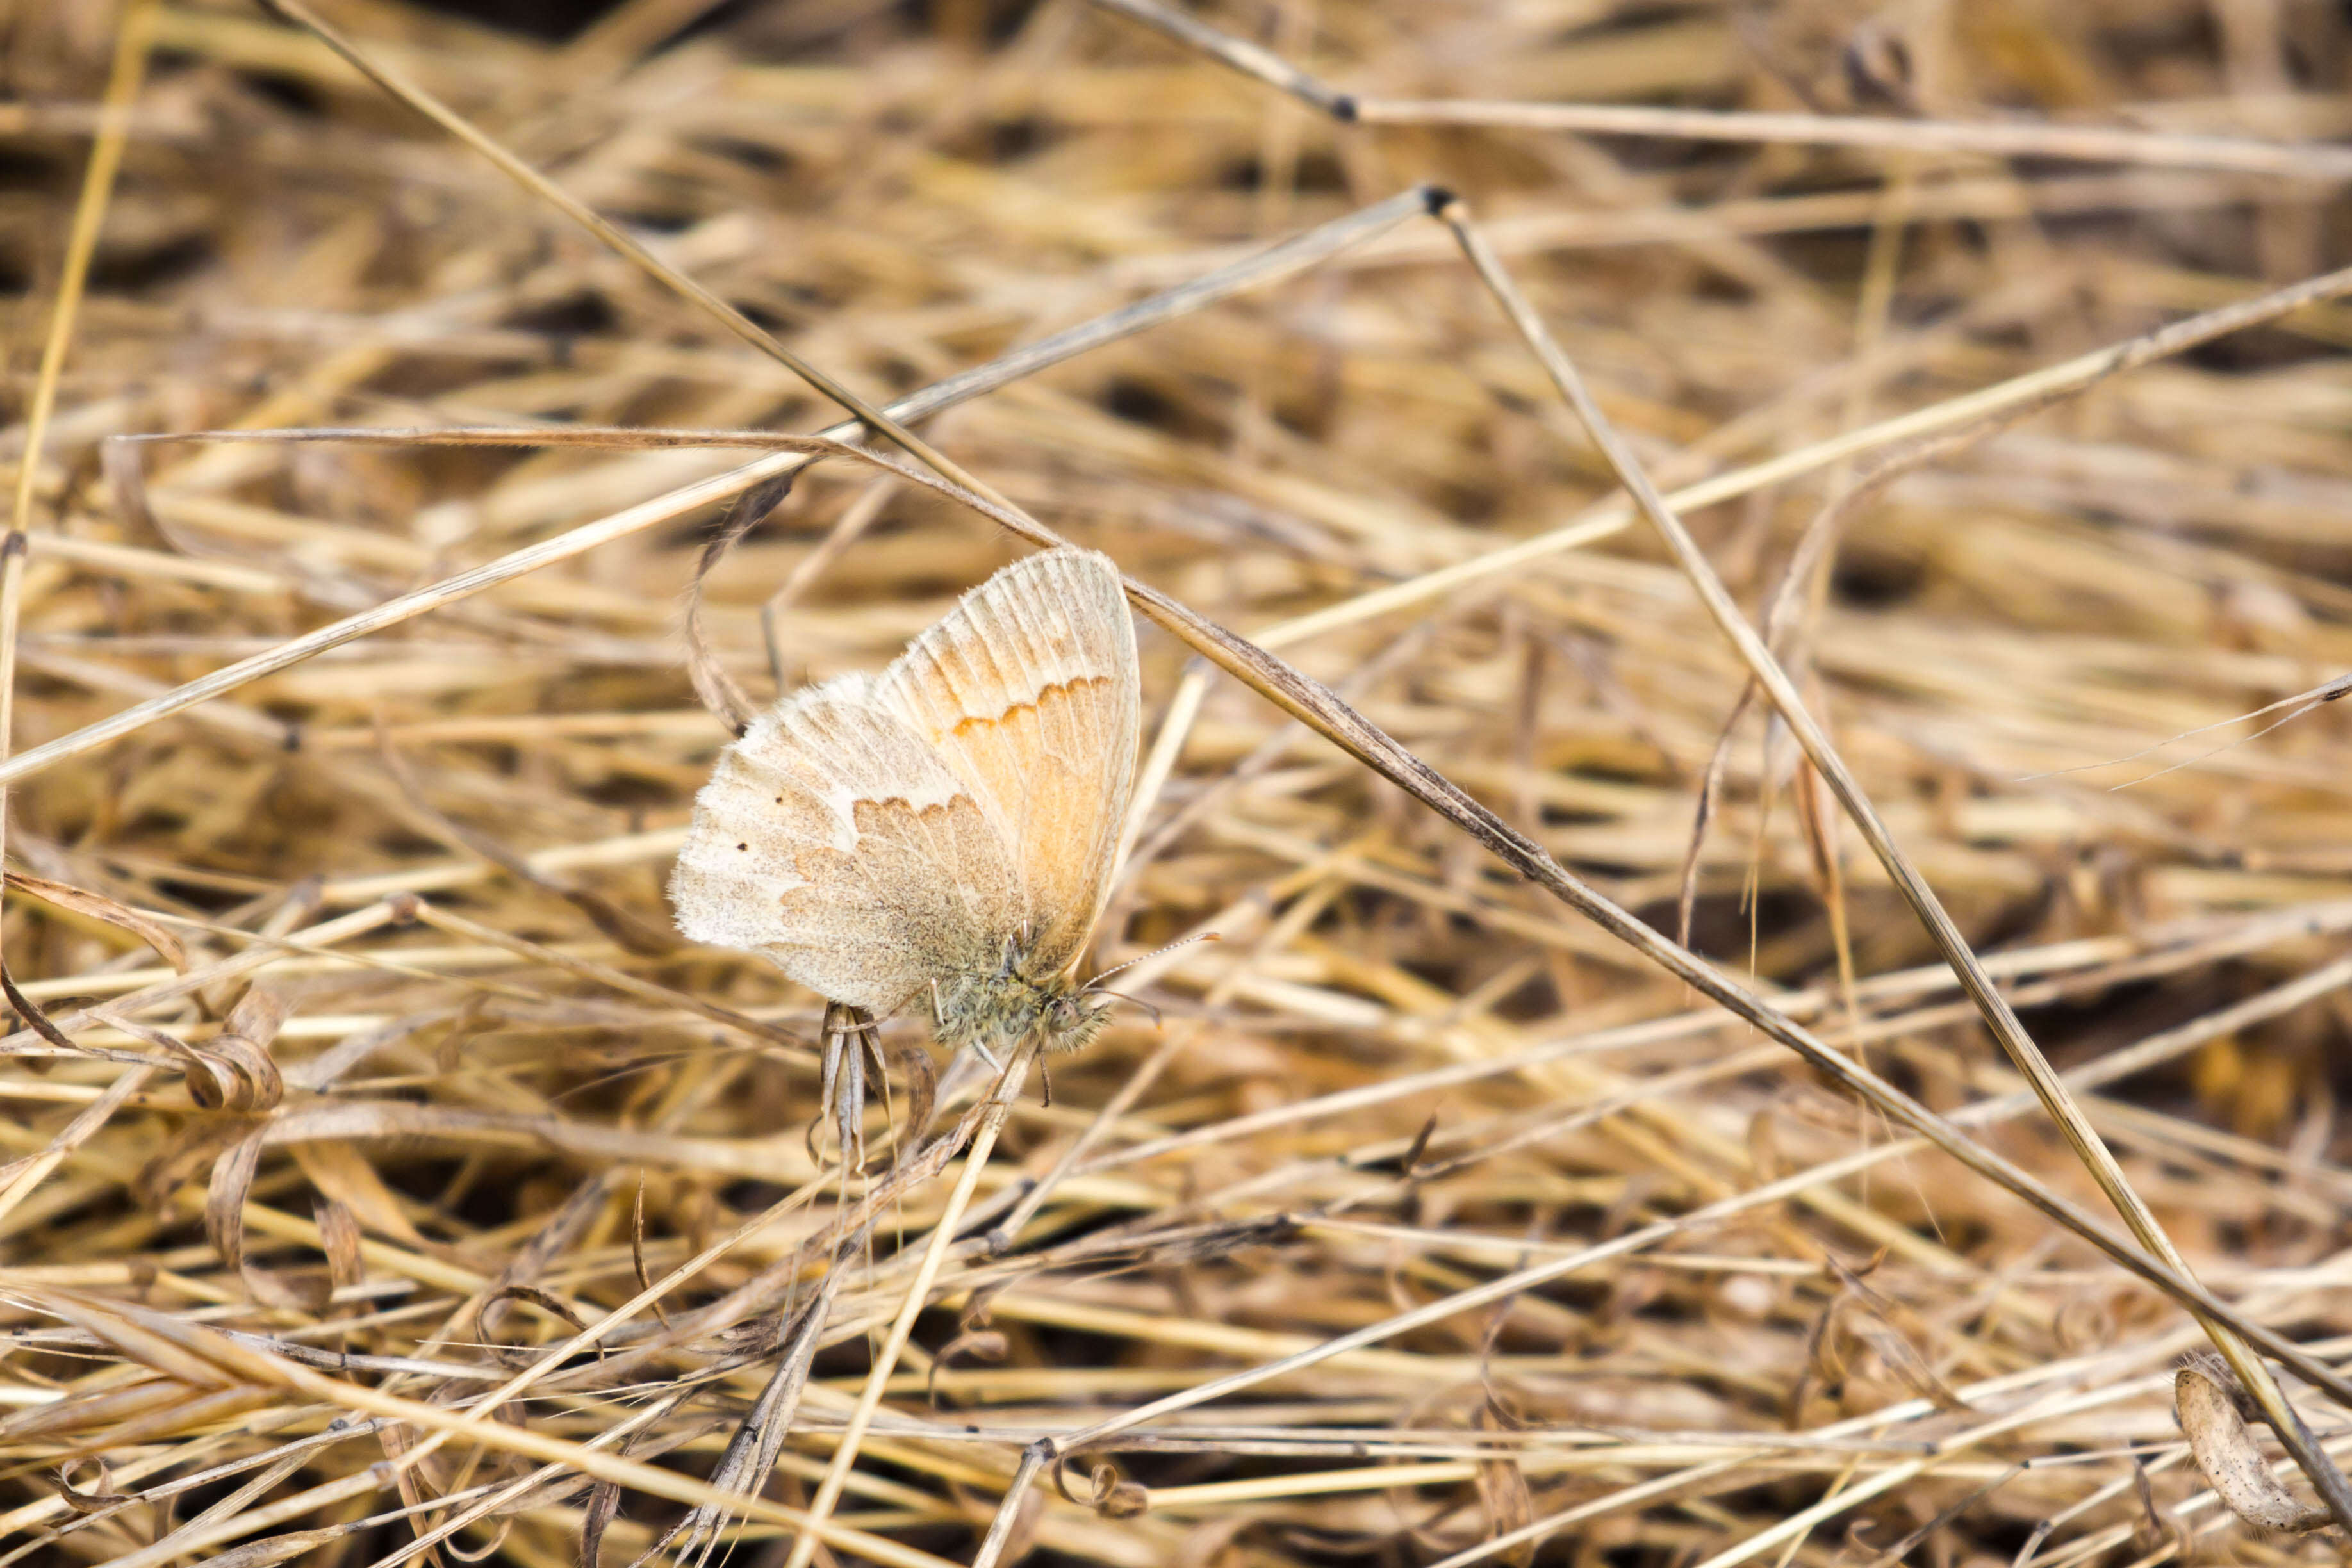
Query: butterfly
point(945, 828)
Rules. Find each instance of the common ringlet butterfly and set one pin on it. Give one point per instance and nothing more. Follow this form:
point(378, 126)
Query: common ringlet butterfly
point(944, 830)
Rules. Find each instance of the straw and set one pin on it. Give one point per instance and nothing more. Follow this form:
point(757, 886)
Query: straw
point(380, 1179)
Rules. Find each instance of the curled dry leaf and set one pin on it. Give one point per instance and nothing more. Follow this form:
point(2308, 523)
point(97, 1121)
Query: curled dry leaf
point(232, 1072)
point(339, 1239)
point(1503, 1491)
point(36, 1020)
point(726, 699)
point(489, 1549)
point(224, 1196)
point(553, 1305)
point(2232, 1461)
point(981, 1344)
point(98, 906)
point(212, 1081)
point(637, 1249)
point(97, 1500)
point(244, 1045)
point(1109, 1493)
point(535, 1257)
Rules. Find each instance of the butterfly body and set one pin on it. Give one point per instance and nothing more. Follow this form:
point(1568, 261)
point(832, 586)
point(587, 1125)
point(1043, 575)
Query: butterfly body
point(944, 830)
point(994, 1010)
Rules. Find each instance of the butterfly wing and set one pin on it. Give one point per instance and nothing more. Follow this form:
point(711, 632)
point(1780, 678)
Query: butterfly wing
point(835, 840)
point(1028, 692)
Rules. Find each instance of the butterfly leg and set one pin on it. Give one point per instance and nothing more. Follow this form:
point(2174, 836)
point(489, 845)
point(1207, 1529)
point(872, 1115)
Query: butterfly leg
point(849, 1038)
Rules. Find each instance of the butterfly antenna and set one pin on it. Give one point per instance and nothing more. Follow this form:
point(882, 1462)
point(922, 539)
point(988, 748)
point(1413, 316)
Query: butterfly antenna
point(1096, 983)
point(1135, 1001)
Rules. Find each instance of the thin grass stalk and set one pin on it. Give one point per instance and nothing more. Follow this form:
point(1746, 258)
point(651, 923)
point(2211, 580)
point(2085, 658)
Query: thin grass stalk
point(1273, 263)
point(132, 35)
point(902, 1326)
point(2007, 1030)
point(1315, 706)
point(584, 1459)
point(614, 238)
point(1994, 138)
point(1970, 409)
point(2026, 599)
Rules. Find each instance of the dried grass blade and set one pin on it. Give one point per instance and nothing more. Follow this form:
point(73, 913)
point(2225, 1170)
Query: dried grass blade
point(134, 32)
point(2033, 389)
point(1999, 139)
point(1822, 753)
point(1275, 263)
point(1249, 58)
point(749, 1457)
point(635, 935)
point(157, 1340)
point(2232, 1461)
point(98, 906)
point(20, 1176)
point(1311, 701)
point(327, 933)
point(919, 1294)
point(874, 417)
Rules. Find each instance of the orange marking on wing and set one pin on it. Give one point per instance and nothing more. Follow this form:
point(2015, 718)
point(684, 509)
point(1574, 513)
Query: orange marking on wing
point(1035, 705)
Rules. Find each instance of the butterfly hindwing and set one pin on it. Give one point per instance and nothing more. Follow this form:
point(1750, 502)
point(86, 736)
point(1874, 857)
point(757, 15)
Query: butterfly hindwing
point(833, 840)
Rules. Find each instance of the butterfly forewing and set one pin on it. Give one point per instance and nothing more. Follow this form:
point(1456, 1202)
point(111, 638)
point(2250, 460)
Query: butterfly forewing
point(835, 840)
point(1029, 692)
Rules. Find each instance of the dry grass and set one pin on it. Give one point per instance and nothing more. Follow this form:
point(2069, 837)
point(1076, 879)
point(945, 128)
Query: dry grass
point(382, 1173)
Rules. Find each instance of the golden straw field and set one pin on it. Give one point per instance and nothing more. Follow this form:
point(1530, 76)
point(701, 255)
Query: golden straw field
point(1737, 881)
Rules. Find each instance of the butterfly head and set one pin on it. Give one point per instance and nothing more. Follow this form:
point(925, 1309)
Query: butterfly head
point(999, 1009)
